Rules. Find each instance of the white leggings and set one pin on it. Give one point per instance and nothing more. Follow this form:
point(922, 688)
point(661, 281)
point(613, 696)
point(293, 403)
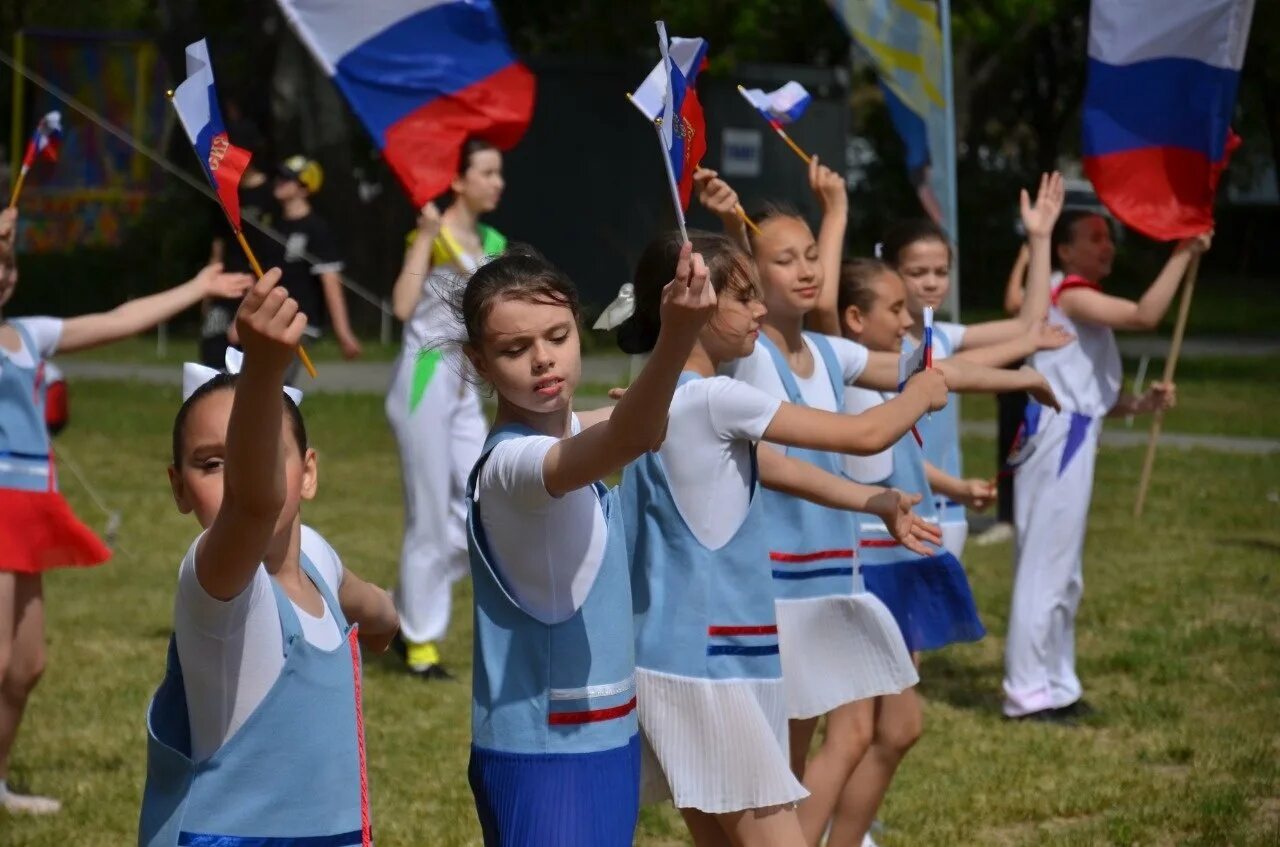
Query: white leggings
point(1050, 511)
point(440, 429)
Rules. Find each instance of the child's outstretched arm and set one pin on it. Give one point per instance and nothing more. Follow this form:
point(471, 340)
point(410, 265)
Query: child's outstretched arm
point(833, 195)
point(1041, 336)
point(85, 331)
point(977, 494)
point(782, 473)
point(1086, 304)
point(862, 434)
point(372, 609)
point(966, 377)
point(407, 290)
point(254, 457)
point(640, 418)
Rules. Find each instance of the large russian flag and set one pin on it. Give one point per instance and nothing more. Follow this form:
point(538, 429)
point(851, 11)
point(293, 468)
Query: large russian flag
point(1157, 111)
point(196, 102)
point(423, 76)
point(667, 97)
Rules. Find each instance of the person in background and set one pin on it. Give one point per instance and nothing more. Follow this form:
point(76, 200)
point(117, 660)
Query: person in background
point(311, 263)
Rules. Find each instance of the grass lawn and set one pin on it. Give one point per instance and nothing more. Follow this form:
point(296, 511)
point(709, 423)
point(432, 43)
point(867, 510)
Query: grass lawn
point(1179, 648)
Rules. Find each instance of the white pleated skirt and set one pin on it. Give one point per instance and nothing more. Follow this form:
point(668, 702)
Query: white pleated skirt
point(714, 745)
point(839, 649)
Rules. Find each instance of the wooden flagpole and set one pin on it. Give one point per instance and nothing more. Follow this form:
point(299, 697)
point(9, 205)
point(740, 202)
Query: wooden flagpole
point(777, 127)
point(1170, 366)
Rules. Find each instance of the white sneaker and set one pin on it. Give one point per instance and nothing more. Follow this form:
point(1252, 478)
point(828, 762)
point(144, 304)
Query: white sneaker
point(29, 804)
point(995, 534)
point(868, 841)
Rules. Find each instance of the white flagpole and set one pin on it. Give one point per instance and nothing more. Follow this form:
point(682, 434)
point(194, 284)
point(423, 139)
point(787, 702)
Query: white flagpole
point(953, 196)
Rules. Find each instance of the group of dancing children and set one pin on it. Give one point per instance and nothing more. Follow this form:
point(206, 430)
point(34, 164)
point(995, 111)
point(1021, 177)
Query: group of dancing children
point(780, 548)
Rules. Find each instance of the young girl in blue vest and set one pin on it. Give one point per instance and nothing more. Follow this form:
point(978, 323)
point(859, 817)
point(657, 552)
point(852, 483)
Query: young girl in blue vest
point(434, 413)
point(1055, 475)
point(555, 756)
point(38, 532)
point(833, 633)
point(256, 733)
point(921, 253)
point(708, 675)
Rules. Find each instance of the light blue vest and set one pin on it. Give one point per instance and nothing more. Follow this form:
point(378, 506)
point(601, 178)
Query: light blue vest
point(292, 775)
point(940, 432)
point(700, 613)
point(24, 439)
point(551, 688)
point(813, 549)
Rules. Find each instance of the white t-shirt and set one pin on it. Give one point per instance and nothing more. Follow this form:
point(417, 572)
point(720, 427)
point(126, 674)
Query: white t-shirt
point(232, 650)
point(876, 468)
point(953, 333)
point(706, 453)
point(547, 549)
point(758, 370)
point(1085, 374)
point(45, 333)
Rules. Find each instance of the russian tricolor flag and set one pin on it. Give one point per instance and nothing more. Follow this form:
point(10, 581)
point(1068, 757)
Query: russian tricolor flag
point(780, 107)
point(44, 143)
point(423, 76)
point(196, 102)
point(667, 98)
point(1161, 89)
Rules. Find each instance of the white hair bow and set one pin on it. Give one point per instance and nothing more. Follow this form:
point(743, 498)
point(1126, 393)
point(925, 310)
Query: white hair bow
point(622, 308)
point(195, 375)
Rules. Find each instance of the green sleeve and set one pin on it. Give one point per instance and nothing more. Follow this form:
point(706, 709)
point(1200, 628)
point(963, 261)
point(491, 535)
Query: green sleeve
point(492, 242)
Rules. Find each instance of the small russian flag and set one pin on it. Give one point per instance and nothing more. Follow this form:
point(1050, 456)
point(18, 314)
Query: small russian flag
point(667, 98)
point(196, 102)
point(45, 141)
point(783, 106)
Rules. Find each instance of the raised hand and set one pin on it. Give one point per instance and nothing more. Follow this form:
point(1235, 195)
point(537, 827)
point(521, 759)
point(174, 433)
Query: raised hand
point(1047, 336)
point(214, 282)
point(689, 300)
point(907, 528)
point(429, 221)
point(933, 386)
point(715, 194)
point(1038, 220)
point(1200, 244)
point(828, 185)
point(269, 323)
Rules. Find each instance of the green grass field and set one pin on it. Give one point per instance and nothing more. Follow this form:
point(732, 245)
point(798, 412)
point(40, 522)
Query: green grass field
point(1179, 649)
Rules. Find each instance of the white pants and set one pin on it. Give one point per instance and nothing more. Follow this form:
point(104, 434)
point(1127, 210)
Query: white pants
point(954, 536)
point(1050, 512)
point(440, 429)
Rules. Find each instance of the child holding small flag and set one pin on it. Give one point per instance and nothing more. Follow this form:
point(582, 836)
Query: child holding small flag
point(256, 734)
point(38, 532)
point(435, 414)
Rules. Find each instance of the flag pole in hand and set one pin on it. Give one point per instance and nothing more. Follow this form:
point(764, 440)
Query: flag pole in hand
point(42, 146)
point(196, 103)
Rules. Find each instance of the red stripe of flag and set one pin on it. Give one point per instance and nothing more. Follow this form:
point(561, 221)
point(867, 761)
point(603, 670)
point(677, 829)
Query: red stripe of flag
point(592, 715)
point(742, 630)
point(802, 558)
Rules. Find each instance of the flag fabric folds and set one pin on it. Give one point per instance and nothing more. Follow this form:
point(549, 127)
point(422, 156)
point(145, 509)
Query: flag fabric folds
point(783, 106)
point(1162, 80)
point(423, 76)
point(904, 41)
point(667, 98)
point(196, 102)
point(45, 141)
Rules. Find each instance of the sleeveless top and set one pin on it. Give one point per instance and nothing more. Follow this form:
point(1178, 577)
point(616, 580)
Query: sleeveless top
point(1086, 373)
point(24, 435)
point(702, 613)
point(551, 688)
point(813, 549)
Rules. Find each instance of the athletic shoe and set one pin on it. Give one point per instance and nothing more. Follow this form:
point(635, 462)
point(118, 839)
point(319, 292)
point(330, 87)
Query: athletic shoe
point(430, 672)
point(1078, 709)
point(1053, 716)
point(997, 533)
point(28, 804)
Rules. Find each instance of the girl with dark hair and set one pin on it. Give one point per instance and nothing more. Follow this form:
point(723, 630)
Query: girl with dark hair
point(435, 415)
point(1055, 473)
point(708, 675)
point(555, 756)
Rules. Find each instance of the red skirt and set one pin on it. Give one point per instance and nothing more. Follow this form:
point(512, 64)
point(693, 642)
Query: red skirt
point(39, 532)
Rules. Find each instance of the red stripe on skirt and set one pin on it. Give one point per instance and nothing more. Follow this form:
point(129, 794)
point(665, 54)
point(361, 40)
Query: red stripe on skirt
point(592, 715)
point(742, 630)
point(803, 558)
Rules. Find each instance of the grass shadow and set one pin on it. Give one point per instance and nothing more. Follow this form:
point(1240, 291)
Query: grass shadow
point(971, 685)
